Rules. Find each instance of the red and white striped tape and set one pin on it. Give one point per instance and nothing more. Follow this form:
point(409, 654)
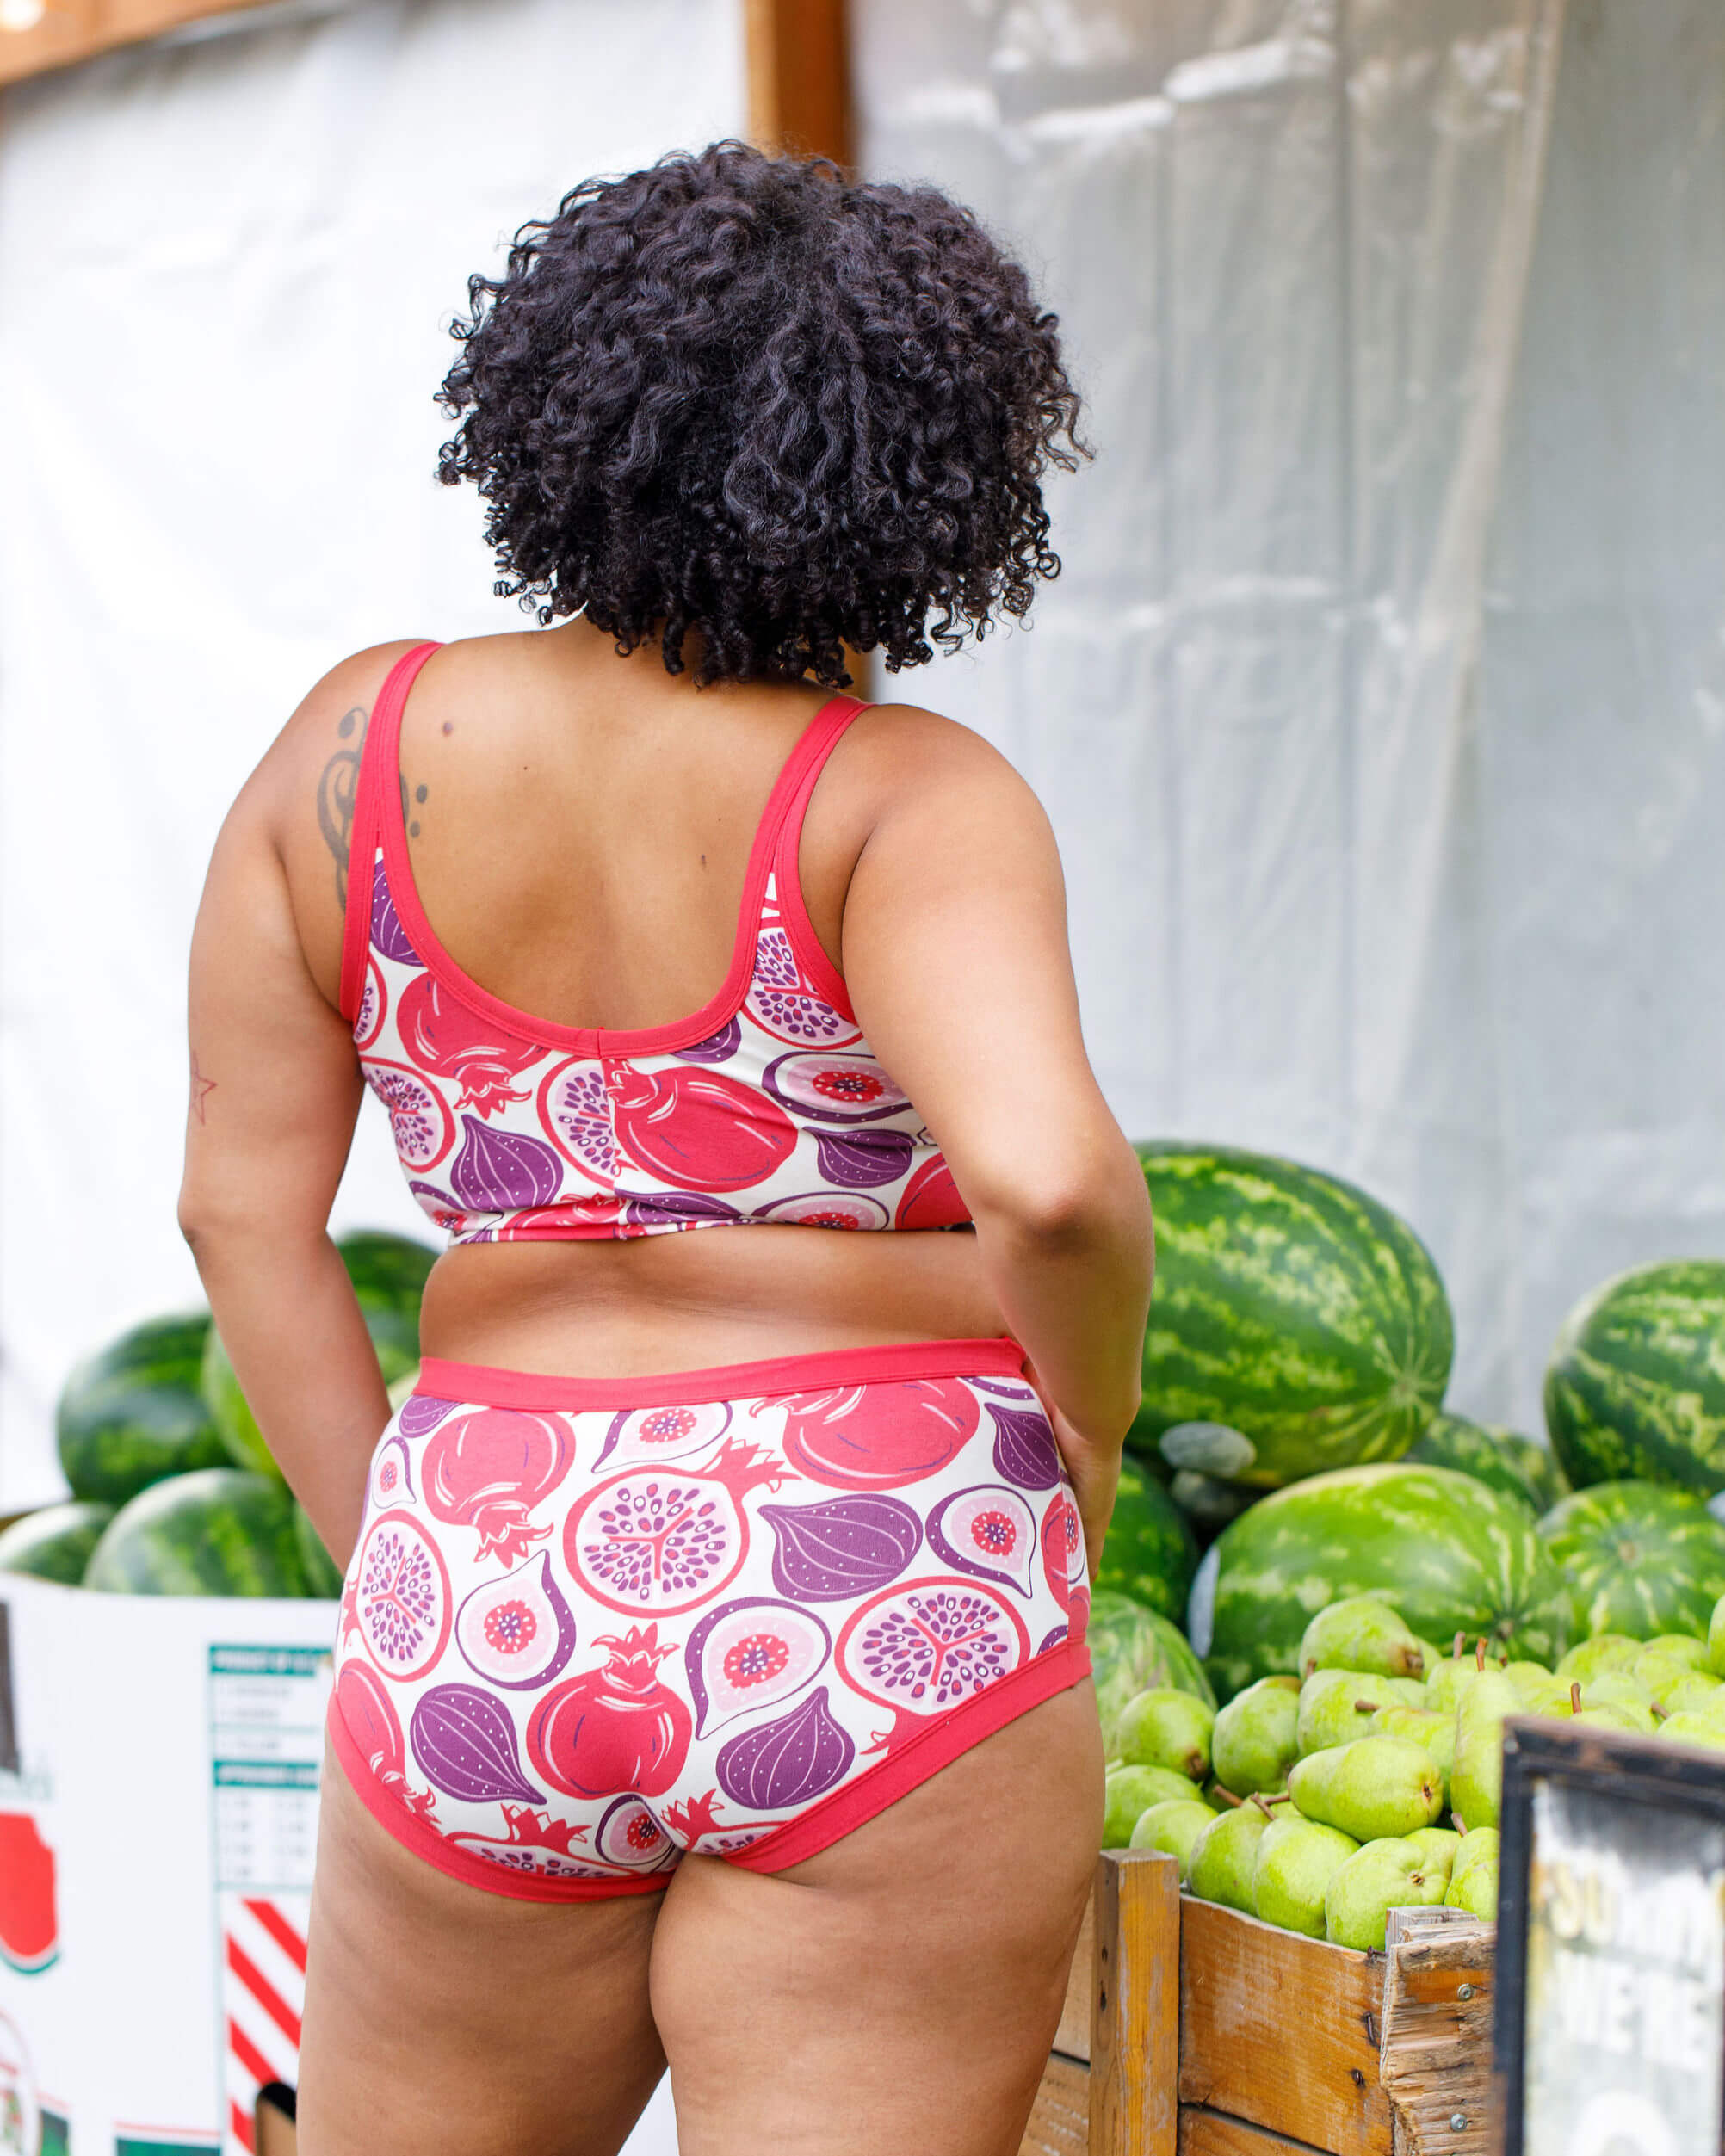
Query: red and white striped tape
point(263, 1997)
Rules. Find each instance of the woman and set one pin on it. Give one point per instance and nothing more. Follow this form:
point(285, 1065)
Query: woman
point(711, 1685)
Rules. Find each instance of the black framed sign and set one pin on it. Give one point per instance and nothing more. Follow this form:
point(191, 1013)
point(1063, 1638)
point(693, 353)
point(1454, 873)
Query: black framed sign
point(1610, 2032)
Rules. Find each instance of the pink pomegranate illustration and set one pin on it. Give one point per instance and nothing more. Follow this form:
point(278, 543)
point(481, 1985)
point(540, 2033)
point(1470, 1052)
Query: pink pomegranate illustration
point(373, 1007)
point(575, 1115)
point(655, 1540)
point(931, 1199)
point(401, 1596)
point(928, 1645)
point(697, 1128)
point(490, 1468)
point(880, 1434)
point(1063, 1552)
point(783, 1002)
point(419, 1118)
point(615, 1728)
point(445, 1037)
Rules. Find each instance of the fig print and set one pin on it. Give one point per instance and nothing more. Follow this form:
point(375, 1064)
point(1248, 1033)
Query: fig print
point(464, 1743)
point(655, 1541)
point(391, 1472)
point(629, 1835)
point(698, 1130)
point(389, 937)
point(671, 1432)
point(880, 1434)
point(421, 1412)
point(862, 1159)
point(791, 1761)
point(1024, 1447)
point(419, 1118)
point(401, 1596)
point(749, 1655)
point(717, 1048)
point(445, 1037)
point(835, 1088)
point(517, 1632)
point(827, 1208)
point(989, 1532)
point(489, 1468)
point(500, 1170)
point(837, 1548)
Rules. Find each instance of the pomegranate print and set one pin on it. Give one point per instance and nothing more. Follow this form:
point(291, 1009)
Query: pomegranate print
point(779, 998)
point(697, 1128)
point(444, 1037)
point(401, 1598)
point(880, 1435)
point(575, 1114)
point(654, 1541)
point(932, 1645)
point(1063, 1556)
point(615, 1727)
point(488, 1469)
point(931, 1199)
point(419, 1121)
point(373, 1007)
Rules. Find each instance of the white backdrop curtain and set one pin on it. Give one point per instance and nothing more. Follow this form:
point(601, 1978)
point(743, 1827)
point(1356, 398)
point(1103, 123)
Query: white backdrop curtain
point(1381, 709)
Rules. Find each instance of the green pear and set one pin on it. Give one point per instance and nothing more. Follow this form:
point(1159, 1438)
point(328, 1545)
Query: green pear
point(1689, 1688)
point(1589, 1658)
point(1374, 1788)
point(1172, 1827)
point(1128, 1792)
point(1617, 1692)
point(1437, 1846)
point(1295, 1858)
point(1364, 1888)
point(1254, 1742)
point(1716, 1639)
point(1166, 1728)
point(1550, 1699)
point(1337, 1706)
point(1430, 1656)
point(1668, 1653)
point(1691, 1728)
point(1360, 1633)
point(1220, 1868)
point(1476, 1780)
point(1420, 1726)
point(1445, 1685)
point(1476, 1890)
point(1482, 1845)
point(1529, 1676)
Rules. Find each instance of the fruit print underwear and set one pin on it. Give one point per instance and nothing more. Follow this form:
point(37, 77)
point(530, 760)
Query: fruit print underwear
point(591, 1625)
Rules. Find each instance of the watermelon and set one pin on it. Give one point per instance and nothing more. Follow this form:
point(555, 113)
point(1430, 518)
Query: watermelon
point(1150, 1553)
point(1636, 1558)
point(323, 1574)
point(1635, 1387)
point(221, 1531)
point(1451, 1553)
point(54, 1543)
point(384, 1269)
point(133, 1413)
point(1133, 1650)
point(1491, 1455)
point(1289, 1306)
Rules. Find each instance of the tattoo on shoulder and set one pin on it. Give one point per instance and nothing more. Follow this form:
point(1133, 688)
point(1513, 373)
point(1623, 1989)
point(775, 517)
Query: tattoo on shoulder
point(202, 1087)
point(337, 789)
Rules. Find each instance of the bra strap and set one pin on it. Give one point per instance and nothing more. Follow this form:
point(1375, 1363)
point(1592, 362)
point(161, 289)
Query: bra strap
point(817, 745)
point(379, 761)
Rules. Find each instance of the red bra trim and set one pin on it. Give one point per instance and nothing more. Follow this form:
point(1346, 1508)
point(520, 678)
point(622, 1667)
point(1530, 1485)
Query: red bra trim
point(362, 843)
point(383, 746)
point(817, 969)
point(477, 1385)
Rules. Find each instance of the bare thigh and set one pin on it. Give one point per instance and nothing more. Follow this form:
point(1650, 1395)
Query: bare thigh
point(443, 2021)
point(900, 1990)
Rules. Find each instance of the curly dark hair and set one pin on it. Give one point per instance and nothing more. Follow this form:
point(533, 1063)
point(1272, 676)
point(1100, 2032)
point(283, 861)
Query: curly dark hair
point(741, 395)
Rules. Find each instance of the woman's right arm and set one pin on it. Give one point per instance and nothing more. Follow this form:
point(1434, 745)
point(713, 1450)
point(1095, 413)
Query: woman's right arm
point(955, 953)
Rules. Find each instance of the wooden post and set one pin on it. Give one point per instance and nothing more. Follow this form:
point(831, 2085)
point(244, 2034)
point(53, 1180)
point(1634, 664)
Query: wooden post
point(47, 34)
point(1134, 2028)
point(800, 79)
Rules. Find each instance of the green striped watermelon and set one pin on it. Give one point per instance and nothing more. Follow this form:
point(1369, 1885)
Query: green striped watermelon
point(1289, 1306)
point(1489, 1454)
point(1636, 1558)
point(133, 1413)
point(1150, 1553)
point(323, 1574)
point(1635, 1387)
point(1132, 1650)
point(1451, 1553)
point(220, 1532)
point(54, 1543)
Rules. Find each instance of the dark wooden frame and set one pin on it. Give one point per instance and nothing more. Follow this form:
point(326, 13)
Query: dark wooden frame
point(1630, 1769)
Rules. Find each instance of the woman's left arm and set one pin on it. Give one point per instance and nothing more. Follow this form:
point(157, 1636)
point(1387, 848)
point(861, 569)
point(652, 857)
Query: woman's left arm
point(275, 1088)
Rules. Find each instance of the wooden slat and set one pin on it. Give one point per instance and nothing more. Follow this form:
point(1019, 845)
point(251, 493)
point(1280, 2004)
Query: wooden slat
point(1060, 2118)
point(800, 78)
point(1436, 2052)
point(1282, 2031)
point(1212, 2133)
point(1134, 2029)
point(1072, 2037)
point(74, 30)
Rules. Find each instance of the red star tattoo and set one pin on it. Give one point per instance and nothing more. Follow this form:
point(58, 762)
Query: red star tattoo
point(201, 1088)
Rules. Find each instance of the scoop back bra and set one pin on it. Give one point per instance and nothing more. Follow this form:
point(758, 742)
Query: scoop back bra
point(767, 1104)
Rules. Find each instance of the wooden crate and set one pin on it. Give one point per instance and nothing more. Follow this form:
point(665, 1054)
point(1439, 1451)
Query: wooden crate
point(1191, 2030)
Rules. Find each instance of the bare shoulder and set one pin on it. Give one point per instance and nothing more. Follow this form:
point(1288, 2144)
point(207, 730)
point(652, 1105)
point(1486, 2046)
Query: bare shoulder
point(903, 763)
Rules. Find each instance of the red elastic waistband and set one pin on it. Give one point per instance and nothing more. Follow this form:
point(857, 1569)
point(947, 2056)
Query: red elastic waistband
point(476, 1384)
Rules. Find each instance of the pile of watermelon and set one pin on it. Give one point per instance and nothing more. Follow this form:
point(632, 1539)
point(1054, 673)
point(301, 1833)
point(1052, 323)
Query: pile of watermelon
point(174, 1490)
point(1293, 1448)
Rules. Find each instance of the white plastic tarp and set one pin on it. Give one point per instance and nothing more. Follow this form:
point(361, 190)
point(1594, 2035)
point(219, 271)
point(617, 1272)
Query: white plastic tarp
point(1380, 708)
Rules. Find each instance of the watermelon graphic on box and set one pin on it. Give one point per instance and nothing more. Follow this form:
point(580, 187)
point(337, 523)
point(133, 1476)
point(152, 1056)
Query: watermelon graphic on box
point(29, 1921)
